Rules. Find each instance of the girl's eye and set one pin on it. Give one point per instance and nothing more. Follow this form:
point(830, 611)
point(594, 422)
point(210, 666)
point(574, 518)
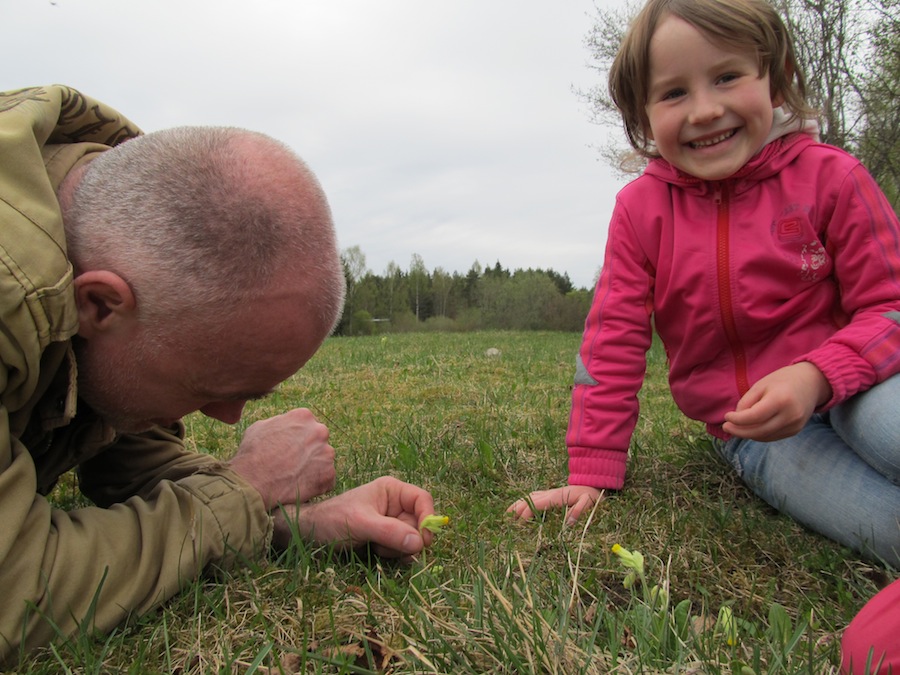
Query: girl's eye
point(724, 79)
point(674, 93)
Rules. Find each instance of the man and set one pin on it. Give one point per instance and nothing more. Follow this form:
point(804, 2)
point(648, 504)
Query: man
point(143, 277)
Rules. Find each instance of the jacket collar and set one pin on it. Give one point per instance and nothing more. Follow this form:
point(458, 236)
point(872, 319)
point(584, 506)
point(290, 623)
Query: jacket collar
point(786, 140)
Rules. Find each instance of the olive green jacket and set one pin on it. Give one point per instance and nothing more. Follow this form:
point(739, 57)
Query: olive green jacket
point(162, 513)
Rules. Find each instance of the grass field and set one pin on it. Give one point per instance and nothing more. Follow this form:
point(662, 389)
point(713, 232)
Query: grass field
point(493, 595)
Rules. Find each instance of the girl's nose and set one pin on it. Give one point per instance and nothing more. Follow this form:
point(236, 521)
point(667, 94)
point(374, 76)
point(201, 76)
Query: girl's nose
point(706, 108)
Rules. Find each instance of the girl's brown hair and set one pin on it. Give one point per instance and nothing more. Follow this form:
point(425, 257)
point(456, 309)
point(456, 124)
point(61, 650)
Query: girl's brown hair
point(742, 24)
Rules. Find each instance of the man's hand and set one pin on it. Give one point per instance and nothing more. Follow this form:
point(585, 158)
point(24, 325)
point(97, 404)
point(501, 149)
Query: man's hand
point(576, 498)
point(780, 404)
point(286, 458)
point(385, 513)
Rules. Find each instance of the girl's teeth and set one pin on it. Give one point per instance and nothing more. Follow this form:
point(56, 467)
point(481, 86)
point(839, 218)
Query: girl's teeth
point(712, 141)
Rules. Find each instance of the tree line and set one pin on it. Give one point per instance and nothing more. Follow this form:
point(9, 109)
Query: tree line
point(850, 53)
point(483, 298)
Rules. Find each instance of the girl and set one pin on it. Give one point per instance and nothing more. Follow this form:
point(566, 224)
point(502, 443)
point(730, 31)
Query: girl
point(769, 264)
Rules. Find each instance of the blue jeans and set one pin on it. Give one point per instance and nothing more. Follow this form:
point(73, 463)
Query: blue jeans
point(840, 476)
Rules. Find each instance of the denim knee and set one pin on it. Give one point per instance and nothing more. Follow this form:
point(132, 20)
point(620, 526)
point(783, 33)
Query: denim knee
point(870, 424)
point(818, 480)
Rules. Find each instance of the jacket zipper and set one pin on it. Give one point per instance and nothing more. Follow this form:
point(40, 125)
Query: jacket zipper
point(726, 300)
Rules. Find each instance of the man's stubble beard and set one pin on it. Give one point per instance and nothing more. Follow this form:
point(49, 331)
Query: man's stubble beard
point(101, 385)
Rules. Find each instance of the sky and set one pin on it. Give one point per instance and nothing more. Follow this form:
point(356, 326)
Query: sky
point(451, 130)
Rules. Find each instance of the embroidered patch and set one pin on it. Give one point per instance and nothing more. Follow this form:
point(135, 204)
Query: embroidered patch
point(812, 259)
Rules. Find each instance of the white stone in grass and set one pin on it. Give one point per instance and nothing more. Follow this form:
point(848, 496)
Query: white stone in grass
point(492, 353)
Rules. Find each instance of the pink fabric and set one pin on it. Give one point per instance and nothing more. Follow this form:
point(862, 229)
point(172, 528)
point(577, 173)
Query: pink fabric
point(873, 637)
point(793, 258)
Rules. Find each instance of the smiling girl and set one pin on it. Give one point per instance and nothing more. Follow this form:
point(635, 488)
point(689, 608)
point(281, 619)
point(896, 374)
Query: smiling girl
point(769, 264)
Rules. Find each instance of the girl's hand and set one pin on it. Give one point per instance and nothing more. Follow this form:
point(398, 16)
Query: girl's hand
point(576, 498)
point(780, 404)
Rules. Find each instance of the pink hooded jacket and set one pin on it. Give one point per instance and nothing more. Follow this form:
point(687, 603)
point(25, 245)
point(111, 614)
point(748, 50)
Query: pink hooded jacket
point(794, 258)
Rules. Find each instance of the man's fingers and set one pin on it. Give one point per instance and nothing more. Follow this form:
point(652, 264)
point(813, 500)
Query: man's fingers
point(399, 498)
point(394, 539)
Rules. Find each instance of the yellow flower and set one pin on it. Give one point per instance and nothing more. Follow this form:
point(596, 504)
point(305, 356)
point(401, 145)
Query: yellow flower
point(632, 560)
point(434, 523)
point(727, 625)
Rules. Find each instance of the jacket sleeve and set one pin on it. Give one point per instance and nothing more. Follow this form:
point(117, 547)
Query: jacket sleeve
point(863, 237)
point(135, 463)
point(611, 362)
point(168, 513)
point(102, 564)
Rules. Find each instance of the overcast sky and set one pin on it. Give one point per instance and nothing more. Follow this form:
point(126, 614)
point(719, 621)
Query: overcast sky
point(447, 128)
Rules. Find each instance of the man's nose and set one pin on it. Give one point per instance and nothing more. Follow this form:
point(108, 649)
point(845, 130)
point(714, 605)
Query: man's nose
point(228, 412)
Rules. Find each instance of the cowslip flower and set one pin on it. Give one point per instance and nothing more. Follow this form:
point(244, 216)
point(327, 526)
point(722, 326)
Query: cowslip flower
point(726, 624)
point(434, 523)
point(659, 596)
point(631, 560)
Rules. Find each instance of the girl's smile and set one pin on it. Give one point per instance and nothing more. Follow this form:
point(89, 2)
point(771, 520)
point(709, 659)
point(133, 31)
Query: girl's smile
point(707, 142)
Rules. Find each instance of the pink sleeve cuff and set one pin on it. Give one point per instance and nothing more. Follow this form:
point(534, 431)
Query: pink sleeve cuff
point(602, 469)
point(845, 370)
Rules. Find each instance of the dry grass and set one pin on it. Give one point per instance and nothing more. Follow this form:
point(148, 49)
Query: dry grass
point(493, 595)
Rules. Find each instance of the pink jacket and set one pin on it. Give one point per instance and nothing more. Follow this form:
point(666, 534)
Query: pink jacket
point(794, 258)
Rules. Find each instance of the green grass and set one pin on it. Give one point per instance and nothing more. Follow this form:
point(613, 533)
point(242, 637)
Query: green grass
point(494, 595)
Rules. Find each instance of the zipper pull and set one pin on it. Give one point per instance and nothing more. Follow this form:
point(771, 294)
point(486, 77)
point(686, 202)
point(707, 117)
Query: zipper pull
point(717, 193)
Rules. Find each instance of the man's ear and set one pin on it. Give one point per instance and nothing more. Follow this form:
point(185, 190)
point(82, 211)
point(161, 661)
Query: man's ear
point(104, 300)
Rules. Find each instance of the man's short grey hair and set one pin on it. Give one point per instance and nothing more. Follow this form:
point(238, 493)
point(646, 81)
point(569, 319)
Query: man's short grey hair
point(197, 219)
